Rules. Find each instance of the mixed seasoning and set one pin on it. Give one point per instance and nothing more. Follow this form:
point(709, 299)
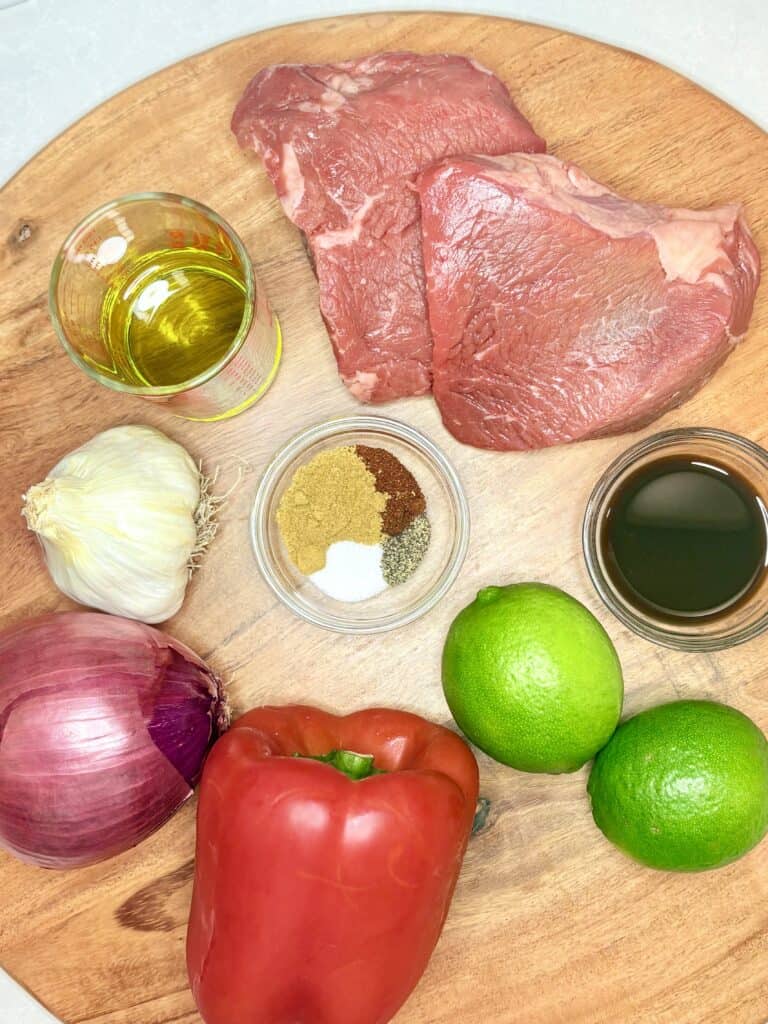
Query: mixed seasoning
point(354, 520)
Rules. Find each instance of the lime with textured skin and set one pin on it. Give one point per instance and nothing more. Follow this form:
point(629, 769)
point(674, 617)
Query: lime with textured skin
point(683, 786)
point(532, 678)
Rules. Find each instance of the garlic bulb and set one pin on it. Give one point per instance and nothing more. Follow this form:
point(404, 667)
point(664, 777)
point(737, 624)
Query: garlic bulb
point(120, 522)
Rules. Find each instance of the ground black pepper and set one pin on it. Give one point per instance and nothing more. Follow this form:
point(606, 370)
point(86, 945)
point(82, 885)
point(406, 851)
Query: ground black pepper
point(404, 553)
point(406, 500)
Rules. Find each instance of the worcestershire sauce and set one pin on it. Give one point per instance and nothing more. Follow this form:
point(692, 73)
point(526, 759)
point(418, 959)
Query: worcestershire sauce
point(685, 538)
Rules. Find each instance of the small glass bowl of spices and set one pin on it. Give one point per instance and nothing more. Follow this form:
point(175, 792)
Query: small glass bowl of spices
point(360, 525)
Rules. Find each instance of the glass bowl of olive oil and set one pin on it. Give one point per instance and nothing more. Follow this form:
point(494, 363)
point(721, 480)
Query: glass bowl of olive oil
point(154, 294)
point(676, 539)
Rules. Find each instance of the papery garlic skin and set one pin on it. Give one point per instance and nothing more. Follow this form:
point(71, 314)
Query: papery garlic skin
point(116, 519)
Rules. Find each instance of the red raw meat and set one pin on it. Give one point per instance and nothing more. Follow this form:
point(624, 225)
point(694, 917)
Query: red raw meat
point(342, 144)
point(561, 311)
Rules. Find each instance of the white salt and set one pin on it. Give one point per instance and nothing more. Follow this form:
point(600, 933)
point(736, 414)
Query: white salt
point(352, 571)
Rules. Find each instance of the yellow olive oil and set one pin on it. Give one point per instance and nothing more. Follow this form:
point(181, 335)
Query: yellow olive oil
point(171, 315)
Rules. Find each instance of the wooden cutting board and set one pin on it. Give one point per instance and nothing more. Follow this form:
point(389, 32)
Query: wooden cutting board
point(550, 923)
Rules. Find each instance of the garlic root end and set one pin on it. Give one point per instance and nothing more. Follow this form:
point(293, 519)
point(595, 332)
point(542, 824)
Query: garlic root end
point(206, 516)
point(35, 507)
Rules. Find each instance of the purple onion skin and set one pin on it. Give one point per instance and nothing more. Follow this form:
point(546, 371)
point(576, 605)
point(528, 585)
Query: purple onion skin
point(104, 727)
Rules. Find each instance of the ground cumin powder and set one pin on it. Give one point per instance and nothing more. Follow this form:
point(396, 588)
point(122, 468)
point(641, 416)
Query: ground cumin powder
point(333, 497)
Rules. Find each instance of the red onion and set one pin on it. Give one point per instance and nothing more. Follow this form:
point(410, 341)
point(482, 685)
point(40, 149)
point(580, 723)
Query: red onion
point(104, 726)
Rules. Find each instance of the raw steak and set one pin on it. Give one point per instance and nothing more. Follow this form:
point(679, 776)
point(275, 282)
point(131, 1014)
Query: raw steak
point(342, 144)
point(561, 311)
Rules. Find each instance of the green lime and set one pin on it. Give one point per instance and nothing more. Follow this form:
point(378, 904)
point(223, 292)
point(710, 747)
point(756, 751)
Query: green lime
point(683, 786)
point(532, 678)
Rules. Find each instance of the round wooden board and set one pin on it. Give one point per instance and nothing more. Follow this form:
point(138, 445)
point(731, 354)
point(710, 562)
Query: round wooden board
point(550, 923)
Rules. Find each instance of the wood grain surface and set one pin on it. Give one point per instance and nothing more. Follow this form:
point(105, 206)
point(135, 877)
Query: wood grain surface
point(550, 923)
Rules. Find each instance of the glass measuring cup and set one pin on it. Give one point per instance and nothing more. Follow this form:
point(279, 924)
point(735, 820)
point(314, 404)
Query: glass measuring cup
point(154, 294)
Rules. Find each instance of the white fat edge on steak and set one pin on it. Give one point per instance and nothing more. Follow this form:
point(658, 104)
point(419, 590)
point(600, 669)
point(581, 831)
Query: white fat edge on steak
point(361, 384)
point(690, 243)
point(291, 180)
point(479, 67)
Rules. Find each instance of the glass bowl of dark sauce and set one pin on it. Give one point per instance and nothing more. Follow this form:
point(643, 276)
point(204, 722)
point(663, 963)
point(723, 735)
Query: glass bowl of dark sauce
point(676, 539)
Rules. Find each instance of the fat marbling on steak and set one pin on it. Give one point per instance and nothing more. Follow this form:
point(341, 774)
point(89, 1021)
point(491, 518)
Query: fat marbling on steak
point(342, 144)
point(561, 311)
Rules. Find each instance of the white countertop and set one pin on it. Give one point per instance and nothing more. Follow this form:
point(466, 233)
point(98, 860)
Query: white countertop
point(59, 58)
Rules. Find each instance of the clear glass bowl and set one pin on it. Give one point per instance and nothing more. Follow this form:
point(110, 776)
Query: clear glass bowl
point(745, 620)
point(446, 507)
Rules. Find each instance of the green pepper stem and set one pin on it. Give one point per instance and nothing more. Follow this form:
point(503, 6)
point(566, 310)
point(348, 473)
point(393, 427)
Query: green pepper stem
point(354, 766)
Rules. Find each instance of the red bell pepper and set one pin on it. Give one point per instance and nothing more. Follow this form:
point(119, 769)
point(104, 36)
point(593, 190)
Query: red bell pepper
point(327, 853)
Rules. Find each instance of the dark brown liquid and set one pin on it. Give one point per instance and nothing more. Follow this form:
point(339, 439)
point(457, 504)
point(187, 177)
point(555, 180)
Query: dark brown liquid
point(685, 537)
